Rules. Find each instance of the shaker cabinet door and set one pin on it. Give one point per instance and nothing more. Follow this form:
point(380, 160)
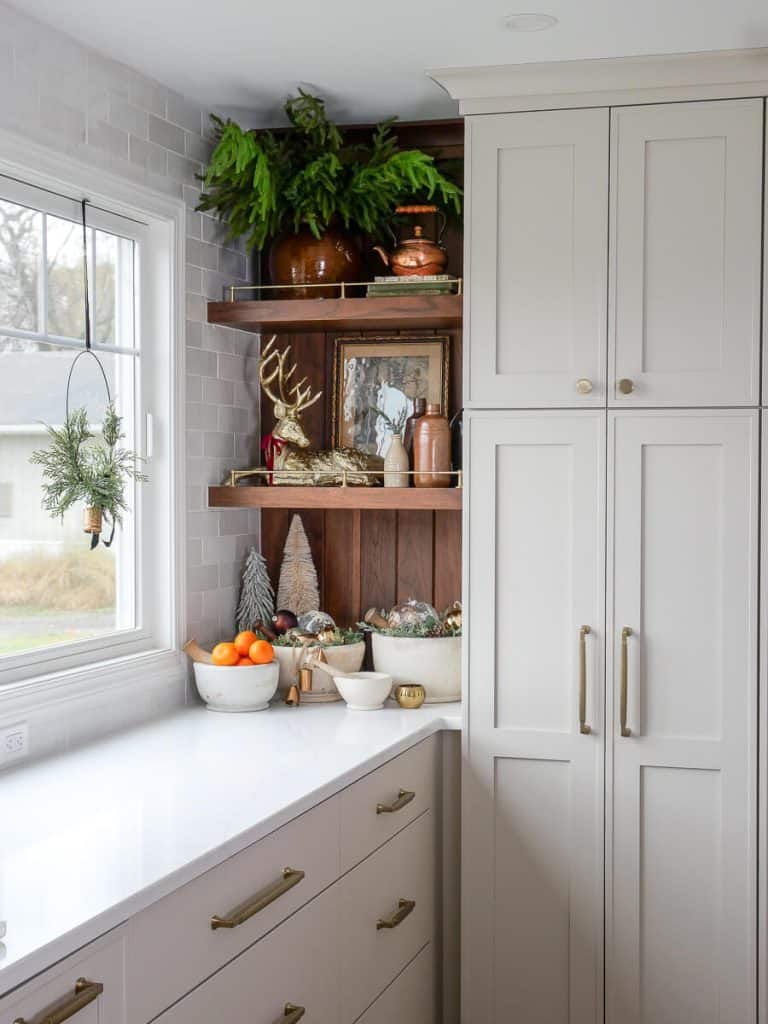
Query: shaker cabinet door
point(537, 254)
point(686, 202)
point(532, 818)
point(682, 766)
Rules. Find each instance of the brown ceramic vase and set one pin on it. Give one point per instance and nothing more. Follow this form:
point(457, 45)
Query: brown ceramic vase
point(432, 450)
point(302, 259)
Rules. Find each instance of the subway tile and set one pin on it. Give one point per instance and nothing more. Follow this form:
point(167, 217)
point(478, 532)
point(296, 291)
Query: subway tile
point(216, 285)
point(218, 549)
point(198, 148)
point(218, 392)
point(62, 120)
point(232, 263)
point(194, 442)
point(201, 362)
point(196, 308)
point(218, 445)
point(231, 367)
point(195, 551)
point(183, 169)
point(203, 524)
point(194, 225)
point(193, 332)
point(148, 95)
point(201, 416)
point(233, 420)
point(148, 155)
point(196, 497)
point(169, 136)
point(108, 138)
point(233, 521)
point(194, 281)
point(182, 112)
point(194, 388)
point(128, 117)
point(203, 577)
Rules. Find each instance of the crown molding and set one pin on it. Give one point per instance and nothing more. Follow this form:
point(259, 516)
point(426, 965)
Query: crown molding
point(716, 74)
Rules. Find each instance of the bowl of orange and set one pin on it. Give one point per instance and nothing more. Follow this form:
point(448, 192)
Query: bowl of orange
point(241, 674)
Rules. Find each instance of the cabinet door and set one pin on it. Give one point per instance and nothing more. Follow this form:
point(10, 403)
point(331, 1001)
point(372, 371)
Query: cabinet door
point(537, 240)
point(295, 965)
point(681, 880)
point(532, 874)
point(686, 188)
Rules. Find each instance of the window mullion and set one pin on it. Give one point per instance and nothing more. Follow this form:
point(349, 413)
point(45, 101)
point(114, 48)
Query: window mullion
point(42, 283)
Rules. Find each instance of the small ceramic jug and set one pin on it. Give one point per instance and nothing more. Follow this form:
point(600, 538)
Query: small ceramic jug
point(396, 464)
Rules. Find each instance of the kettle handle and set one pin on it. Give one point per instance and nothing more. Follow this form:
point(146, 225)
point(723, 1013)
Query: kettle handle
point(384, 255)
point(443, 221)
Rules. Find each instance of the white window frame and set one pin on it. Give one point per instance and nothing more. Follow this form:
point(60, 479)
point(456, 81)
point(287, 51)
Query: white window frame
point(152, 647)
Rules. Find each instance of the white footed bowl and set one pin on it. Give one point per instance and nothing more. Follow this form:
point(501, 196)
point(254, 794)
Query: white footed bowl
point(236, 687)
point(364, 691)
point(434, 662)
point(342, 659)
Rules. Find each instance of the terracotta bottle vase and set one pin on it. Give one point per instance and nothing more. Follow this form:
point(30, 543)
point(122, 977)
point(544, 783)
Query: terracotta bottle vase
point(419, 408)
point(432, 450)
point(396, 464)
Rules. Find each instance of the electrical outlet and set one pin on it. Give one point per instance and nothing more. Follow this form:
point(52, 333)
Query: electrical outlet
point(14, 742)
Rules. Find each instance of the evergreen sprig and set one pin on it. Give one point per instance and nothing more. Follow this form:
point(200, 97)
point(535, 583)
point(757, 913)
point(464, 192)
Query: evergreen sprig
point(78, 466)
point(262, 182)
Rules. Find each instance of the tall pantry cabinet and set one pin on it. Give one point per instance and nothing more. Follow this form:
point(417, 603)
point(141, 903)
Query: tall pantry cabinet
point(613, 319)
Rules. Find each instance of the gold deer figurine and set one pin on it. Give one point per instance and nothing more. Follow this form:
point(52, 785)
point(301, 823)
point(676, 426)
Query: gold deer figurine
point(296, 462)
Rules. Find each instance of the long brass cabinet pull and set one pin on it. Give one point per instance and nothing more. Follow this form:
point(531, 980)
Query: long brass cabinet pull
point(85, 993)
point(625, 634)
point(291, 1014)
point(404, 797)
point(584, 729)
point(404, 908)
point(262, 899)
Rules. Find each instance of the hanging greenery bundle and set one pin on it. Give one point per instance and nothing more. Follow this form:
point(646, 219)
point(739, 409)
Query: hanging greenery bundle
point(79, 466)
point(263, 182)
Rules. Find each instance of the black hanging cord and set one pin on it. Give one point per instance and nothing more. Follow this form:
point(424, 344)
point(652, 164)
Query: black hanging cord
point(88, 351)
point(85, 281)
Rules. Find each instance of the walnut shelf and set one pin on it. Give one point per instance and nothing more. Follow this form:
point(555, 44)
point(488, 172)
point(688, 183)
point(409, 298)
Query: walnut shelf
point(346, 498)
point(359, 314)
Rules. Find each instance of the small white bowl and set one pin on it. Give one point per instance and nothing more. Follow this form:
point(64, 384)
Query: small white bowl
point(364, 691)
point(236, 687)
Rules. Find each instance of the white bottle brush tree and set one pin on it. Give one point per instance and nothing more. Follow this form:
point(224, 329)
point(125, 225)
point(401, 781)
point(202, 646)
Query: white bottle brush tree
point(257, 598)
point(297, 589)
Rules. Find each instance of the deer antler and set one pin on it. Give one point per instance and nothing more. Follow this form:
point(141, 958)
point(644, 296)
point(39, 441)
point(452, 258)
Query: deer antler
point(272, 368)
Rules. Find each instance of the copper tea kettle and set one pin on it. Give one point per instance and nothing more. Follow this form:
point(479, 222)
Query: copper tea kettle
point(417, 256)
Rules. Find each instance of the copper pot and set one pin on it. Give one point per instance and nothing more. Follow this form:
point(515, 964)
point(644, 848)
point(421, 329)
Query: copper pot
point(417, 256)
point(302, 259)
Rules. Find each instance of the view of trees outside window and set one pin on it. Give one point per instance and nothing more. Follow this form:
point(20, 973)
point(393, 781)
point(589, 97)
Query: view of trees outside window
point(53, 588)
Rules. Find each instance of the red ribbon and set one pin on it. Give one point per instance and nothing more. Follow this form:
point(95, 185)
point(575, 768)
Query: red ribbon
point(271, 446)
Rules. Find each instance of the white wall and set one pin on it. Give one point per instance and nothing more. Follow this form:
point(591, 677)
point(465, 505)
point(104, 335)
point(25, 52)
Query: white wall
point(72, 100)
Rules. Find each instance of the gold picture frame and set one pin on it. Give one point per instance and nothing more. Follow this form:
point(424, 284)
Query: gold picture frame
point(385, 373)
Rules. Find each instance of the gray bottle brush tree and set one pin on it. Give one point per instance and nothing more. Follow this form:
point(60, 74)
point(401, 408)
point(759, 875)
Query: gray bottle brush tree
point(257, 598)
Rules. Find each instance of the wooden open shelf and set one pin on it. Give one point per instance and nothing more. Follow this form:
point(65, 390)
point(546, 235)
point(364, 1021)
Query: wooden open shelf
point(347, 498)
point(387, 313)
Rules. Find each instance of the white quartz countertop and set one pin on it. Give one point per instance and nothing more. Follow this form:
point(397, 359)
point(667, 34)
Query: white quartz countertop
point(90, 838)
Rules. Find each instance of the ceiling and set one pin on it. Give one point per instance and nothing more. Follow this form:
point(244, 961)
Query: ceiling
point(368, 57)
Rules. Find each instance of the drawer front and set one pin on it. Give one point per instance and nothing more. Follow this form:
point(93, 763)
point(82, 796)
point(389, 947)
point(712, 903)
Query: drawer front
point(296, 964)
point(100, 1001)
point(365, 822)
point(410, 999)
point(394, 885)
point(172, 945)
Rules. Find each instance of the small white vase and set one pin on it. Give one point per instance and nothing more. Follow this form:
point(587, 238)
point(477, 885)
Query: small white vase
point(396, 464)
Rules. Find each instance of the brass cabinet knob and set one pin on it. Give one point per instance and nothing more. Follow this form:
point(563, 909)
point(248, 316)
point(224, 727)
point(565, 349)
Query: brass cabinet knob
point(583, 385)
point(626, 386)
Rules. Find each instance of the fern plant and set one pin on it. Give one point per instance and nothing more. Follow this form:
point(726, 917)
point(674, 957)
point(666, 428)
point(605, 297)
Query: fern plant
point(264, 182)
point(80, 467)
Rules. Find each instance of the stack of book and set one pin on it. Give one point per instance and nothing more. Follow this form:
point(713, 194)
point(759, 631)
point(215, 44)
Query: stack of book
point(433, 284)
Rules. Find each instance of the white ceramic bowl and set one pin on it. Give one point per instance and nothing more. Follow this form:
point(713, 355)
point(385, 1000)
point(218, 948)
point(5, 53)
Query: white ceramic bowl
point(364, 691)
point(434, 662)
point(343, 658)
point(236, 687)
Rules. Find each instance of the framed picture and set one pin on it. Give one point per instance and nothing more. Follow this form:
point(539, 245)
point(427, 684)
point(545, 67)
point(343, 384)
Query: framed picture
point(375, 382)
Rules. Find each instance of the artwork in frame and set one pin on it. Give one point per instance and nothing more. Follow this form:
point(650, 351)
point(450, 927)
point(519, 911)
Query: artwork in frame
point(375, 382)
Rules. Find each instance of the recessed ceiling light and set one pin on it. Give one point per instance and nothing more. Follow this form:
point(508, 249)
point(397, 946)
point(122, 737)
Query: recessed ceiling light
point(529, 22)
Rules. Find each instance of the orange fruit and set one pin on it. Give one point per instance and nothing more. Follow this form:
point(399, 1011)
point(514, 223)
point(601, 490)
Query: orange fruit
point(260, 652)
point(225, 654)
point(243, 642)
point(245, 661)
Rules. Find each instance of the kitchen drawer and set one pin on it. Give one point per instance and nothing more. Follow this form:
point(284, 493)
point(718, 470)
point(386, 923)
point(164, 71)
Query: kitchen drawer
point(400, 873)
point(172, 945)
point(365, 825)
point(295, 964)
point(100, 963)
point(410, 999)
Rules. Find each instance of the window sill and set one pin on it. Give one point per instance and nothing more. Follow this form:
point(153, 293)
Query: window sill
point(69, 707)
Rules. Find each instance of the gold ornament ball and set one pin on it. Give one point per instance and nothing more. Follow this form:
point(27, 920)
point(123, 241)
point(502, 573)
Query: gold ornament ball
point(410, 696)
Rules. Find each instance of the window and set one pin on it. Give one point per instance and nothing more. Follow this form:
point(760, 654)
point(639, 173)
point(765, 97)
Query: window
point(61, 603)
